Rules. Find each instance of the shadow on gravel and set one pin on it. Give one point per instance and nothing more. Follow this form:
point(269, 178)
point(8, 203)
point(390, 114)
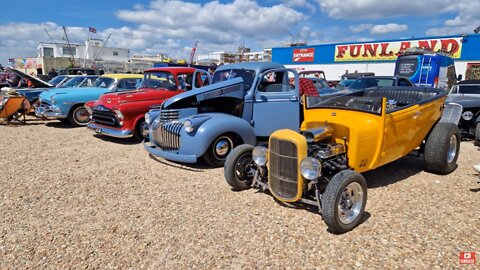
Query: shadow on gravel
point(393, 172)
point(59, 124)
point(125, 141)
point(475, 189)
point(193, 167)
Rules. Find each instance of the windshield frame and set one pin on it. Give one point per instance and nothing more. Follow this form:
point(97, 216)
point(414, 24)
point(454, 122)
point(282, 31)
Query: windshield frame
point(248, 81)
point(345, 102)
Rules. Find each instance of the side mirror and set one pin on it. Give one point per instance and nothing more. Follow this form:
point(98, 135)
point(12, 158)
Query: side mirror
point(460, 77)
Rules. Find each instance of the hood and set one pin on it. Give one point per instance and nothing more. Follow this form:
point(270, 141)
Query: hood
point(36, 81)
point(467, 101)
point(74, 94)
point(230, 88)
point(110, 100)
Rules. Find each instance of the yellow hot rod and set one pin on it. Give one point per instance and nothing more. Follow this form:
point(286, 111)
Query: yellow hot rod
point(342, 137)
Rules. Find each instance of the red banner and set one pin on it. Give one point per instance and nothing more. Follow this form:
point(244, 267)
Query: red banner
point(303, 55)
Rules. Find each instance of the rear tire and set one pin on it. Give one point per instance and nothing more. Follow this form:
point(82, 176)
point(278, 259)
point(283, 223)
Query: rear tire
point(344, 200)
point(238, 167)
point(477, 135)
point(79, 116)
point(140, 132)
point(218, 151)
point(442, 148)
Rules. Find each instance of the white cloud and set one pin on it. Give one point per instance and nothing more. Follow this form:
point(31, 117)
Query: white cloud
point(376, 9)
point(215, 22)
point(300, 3)
point(169, 27)
point(388, 28)
point(468, 18)
point(361, 27)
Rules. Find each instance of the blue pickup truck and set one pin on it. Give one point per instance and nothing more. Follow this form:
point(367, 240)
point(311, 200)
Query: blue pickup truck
point(245, 103)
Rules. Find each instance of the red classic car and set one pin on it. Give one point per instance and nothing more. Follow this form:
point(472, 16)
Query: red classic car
point(121, 114)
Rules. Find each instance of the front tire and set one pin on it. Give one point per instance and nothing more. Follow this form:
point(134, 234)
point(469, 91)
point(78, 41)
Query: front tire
point(344, 200)
point(79, 116)
point(238, 169)
point(442, 148)
point(141, 130)
point(218, 151)
point(477, 135)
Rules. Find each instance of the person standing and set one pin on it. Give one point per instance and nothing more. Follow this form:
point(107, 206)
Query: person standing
point(53, 73)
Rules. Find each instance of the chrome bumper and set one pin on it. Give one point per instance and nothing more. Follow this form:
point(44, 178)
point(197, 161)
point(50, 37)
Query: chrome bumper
point(117, 133)
point(172, 156)
point(49, 112)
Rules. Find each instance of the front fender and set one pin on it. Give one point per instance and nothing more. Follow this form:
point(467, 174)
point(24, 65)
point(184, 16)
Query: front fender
point(218, 124)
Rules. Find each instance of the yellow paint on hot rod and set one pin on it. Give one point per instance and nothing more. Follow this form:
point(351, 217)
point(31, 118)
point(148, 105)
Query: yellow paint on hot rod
point(340, 138)
point(374, 140)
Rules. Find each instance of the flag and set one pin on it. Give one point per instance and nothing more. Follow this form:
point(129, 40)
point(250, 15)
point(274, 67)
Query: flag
point(92, 29)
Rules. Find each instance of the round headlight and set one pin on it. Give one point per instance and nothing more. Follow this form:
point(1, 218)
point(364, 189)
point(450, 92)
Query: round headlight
point(148, 119)
point(188, 126)
point(259, 155)
point(119, 114)
point(311, 168)
point(467, 115)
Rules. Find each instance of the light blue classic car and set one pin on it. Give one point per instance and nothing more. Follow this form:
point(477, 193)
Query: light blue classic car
point(67, 104)
point(244, 105)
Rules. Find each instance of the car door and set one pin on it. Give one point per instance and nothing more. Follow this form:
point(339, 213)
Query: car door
point(276, 105)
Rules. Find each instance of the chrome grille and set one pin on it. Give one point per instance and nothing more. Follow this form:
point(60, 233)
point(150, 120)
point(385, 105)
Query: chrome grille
point(167, 136)
point(168, 115)
point(283, 168)
point(107, 118)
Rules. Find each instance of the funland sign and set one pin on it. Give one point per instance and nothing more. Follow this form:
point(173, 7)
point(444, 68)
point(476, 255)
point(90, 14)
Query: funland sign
point(390, 50)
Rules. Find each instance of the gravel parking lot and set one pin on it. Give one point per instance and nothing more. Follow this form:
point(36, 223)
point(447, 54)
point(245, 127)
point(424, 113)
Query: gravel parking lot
point(69, 199)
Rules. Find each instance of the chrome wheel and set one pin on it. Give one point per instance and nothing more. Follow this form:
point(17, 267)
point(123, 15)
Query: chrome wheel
point(452, 149)
point(350, 203)
point(81, 116)
point(223, 145)
point(144, 130)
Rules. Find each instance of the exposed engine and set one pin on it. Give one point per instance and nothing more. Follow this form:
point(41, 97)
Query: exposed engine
point(332, 155)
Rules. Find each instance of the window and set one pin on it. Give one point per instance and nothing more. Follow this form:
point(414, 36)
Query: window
point(159, 80)
point(48, 52)
point(185, 81)
point(275, 82)
point(115, 53)
point(67, 51)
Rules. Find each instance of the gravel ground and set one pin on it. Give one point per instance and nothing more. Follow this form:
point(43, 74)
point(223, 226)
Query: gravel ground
point(69, 199)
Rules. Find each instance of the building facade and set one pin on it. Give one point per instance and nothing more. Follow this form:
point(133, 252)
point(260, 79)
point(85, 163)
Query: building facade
point(379, 56)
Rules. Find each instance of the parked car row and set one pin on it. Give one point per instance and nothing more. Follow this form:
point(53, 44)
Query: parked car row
point(275, 129)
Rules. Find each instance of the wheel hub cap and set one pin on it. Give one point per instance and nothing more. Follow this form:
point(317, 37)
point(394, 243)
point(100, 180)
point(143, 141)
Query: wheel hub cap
point(222, 147)
point(452, 149)
point(350, 203)
point(82, 116)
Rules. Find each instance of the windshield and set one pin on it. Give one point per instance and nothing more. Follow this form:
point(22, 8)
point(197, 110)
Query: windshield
point(227, 74)
point(159, 80)
point(104, 82)
point(73, 82)
point(348, 102)
point(56, 80)
point(366, 82)
point(466, 89)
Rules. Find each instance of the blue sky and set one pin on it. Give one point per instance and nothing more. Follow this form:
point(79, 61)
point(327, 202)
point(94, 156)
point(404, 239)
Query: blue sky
point(162, 26)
